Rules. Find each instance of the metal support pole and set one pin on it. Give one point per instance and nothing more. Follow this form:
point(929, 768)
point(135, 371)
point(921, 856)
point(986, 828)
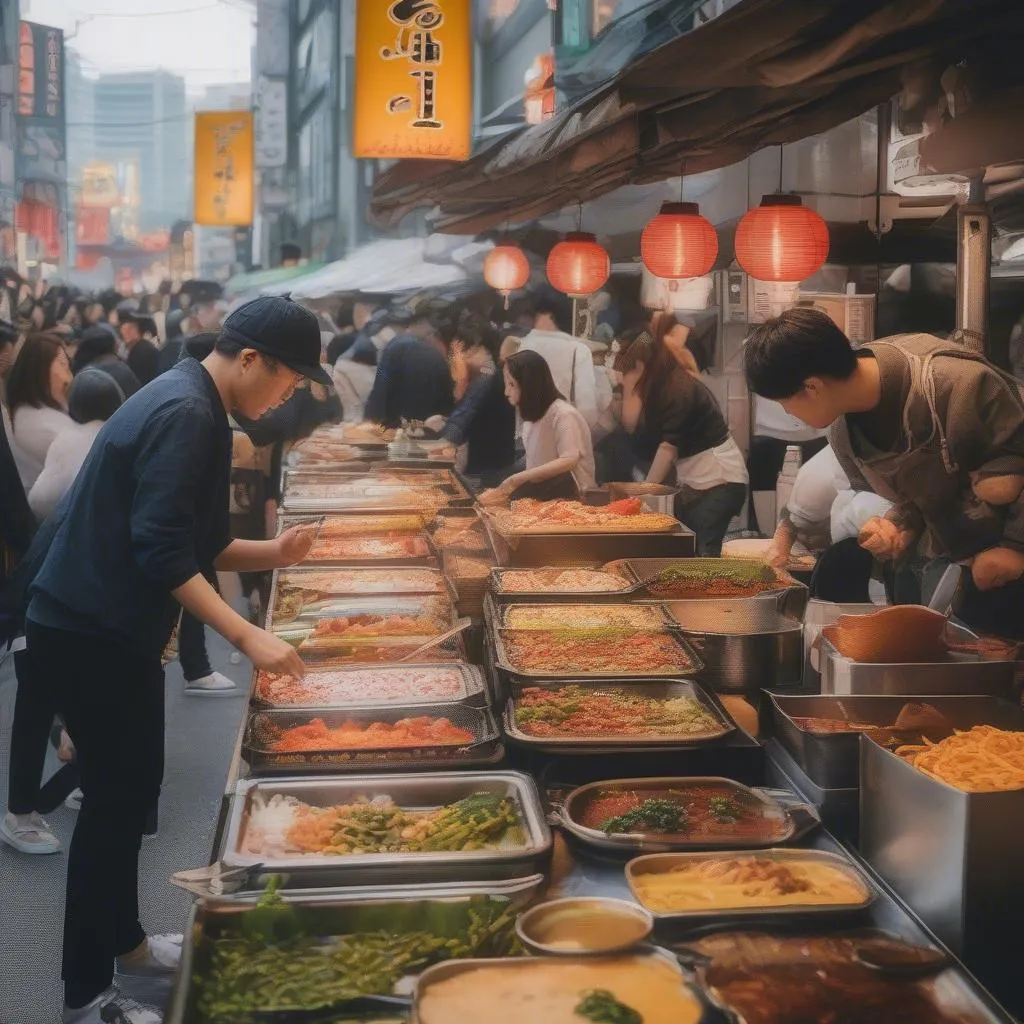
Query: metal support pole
point(973, 269)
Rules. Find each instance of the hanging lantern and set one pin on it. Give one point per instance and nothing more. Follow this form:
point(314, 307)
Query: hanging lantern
point(578, 266)
point(506, 268)
point(781, 240)
point(679, 242)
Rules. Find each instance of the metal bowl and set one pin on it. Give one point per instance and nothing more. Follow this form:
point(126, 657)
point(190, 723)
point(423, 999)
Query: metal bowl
point(619, 925)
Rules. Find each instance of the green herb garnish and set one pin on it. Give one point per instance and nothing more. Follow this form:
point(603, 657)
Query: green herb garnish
point(601, 1007)
point(725, 810)
point(652, 815)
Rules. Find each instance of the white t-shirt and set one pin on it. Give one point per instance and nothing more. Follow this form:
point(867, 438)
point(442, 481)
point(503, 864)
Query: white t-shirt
point(34, 431)
point(713, 467)
point(561, 433)
point(572, 367)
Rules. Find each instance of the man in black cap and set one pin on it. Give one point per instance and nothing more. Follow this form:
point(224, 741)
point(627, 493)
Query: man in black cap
point(141, 530)
point(143, 356)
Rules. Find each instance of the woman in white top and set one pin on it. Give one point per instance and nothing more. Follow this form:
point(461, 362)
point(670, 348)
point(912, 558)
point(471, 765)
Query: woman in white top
point(37, 393)
point(93, 398)
point(559, 450)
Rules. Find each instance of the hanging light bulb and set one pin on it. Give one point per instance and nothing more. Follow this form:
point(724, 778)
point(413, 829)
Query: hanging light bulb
point(781, 240)
point(578, 266)
point(506, 268)
point(679, 242)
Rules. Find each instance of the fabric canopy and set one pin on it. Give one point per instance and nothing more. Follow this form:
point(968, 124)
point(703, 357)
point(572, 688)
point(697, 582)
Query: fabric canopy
point(766, 73)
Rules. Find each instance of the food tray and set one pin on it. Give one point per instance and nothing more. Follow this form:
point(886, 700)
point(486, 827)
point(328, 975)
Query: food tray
point(372, 650)
point(689, 663)
point(453, 968)
point(326, 912)
point(472, 688)
point(486, 747)
point(832, 760)
point(422, 790)
point(503, 596)
point(592, 549)
point(790, 595)
point(659, 863)
point(644, 617)
point(435, 606)
point(788, 823)
point(661, 689)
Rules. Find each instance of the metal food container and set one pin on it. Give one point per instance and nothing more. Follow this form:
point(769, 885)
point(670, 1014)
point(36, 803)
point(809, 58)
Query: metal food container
point(437, 607)
point(832, 760)
point(747, 644)
point(689, 664)
point(521, 857)
point(326, 912)
point(343, 494)
point(371, 650)
point(485, 748)
point(662, 863)
point(645, 616)
point(954, 857)
point(500, 595)
point(662, 689)
point(959, 674)
point(424, 556)
point(473, 688)
point(817, 616)
point(789, 822)
point(790, 596)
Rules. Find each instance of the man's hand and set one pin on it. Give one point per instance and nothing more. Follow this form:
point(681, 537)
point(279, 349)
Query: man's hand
point(494, 496)
point(884, 539)
point(997, 567)
point(435, 423)
point(293, 545)
point(272, 654)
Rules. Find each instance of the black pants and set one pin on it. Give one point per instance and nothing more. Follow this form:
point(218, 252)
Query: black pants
point(195, 662)
point(112, 701)
point(34, 711)
point(709, 513)
point(843, 574)
point(764, 463)
point(561, 486)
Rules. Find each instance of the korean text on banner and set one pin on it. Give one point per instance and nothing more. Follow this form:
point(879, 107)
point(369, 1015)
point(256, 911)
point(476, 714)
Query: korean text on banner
point(224, 169)
point(414, 79)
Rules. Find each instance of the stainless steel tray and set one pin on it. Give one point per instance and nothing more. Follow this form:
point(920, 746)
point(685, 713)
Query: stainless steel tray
point(653, 617)
point(333, 912)
point(435, 606)
point(660, 863)
point(689, 664)
point(793, 820)
point(486, 747)
point(832, 760)
point(661, 689)
point(502, 596)
point(372, 650)
point(790, 596)
point(422, 790)
point(473, 689)
point(961, 674)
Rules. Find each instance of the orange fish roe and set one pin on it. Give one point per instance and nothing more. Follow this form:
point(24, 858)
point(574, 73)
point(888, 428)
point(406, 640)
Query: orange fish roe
point(407, 732)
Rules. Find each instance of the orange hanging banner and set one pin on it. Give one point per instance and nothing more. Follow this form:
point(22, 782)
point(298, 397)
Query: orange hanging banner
point(224, 169)
point(414, 79)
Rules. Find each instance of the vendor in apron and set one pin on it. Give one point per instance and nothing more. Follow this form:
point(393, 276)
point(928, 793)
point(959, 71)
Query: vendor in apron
point(927, 424)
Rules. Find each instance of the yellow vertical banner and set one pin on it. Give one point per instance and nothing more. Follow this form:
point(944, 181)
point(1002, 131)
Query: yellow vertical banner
point(224, 169)
point(414, 79)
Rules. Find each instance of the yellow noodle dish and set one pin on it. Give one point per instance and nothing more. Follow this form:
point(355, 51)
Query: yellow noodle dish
point(743, 882)
point(633, 989)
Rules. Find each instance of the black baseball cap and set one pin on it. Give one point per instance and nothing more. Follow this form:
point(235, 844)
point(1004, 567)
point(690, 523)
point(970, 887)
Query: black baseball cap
point(281, 328)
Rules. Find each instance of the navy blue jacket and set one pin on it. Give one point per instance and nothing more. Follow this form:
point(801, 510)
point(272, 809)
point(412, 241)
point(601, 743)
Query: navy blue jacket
point(147, 512)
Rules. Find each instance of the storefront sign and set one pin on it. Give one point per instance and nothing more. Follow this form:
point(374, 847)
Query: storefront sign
point(414, 79)
point(41, 73)
point(100, 185)
point(271, 123)
point(224, 169)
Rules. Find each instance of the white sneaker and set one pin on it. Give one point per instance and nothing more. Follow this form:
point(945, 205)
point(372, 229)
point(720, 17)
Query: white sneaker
point(113, 1007)
point(159, 959)
point(216, 684)
point(28, 833)
point(73, 801)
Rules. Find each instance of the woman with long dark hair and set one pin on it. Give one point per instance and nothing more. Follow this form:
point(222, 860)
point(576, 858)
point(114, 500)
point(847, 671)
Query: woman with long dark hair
point(660, 397)
point(559, 450)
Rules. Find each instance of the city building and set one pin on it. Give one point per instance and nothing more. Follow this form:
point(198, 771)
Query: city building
point(144, 118)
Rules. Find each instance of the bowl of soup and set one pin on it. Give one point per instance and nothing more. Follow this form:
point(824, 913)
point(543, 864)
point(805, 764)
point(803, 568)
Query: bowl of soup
point(584, 926)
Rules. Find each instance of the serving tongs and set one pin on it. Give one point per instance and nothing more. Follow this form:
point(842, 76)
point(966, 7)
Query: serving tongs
point(219, 881)
point(437, 641)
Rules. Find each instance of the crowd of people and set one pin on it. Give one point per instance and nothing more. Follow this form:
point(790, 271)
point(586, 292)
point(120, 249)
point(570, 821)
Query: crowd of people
point(118, 421)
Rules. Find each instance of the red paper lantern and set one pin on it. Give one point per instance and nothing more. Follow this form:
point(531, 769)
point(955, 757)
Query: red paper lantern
point(578, 266)
point(679, 242)
point(781, 240)
point(506, 268)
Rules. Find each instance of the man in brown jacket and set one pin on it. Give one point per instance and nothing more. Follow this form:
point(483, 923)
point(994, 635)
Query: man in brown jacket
point(929, 425)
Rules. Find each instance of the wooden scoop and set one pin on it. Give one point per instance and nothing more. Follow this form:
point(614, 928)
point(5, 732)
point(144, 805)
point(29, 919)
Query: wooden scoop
point(915, 717)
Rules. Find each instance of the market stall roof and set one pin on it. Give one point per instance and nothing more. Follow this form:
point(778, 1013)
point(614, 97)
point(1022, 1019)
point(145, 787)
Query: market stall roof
point(387, 266)
point(256, 280)
point(768, 72)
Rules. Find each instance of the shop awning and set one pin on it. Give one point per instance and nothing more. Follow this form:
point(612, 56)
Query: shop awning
point(256, 280)
point(766, 73)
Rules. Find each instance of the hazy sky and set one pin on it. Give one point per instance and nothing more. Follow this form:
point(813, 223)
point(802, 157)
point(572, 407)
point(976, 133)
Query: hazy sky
point(207, 41)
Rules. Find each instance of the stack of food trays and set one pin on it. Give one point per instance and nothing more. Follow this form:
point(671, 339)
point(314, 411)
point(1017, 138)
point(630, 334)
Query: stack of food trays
point(467, 556)
point(384, 489)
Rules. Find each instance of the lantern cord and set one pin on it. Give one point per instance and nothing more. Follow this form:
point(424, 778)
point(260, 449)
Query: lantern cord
point(682, 179)
point(579, 214)
point(782, 166)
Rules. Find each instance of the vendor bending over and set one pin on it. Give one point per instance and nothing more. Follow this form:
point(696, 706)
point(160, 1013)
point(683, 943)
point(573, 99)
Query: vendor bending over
point(927, 424)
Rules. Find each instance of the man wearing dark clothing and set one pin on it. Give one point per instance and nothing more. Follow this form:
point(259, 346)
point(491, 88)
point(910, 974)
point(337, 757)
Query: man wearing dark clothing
point(413, 381)
point(147, 521)
point(143, 356)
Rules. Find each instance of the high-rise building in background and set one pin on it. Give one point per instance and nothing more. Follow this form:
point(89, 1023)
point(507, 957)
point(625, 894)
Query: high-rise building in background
point(143, 118)
point(80, 99)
